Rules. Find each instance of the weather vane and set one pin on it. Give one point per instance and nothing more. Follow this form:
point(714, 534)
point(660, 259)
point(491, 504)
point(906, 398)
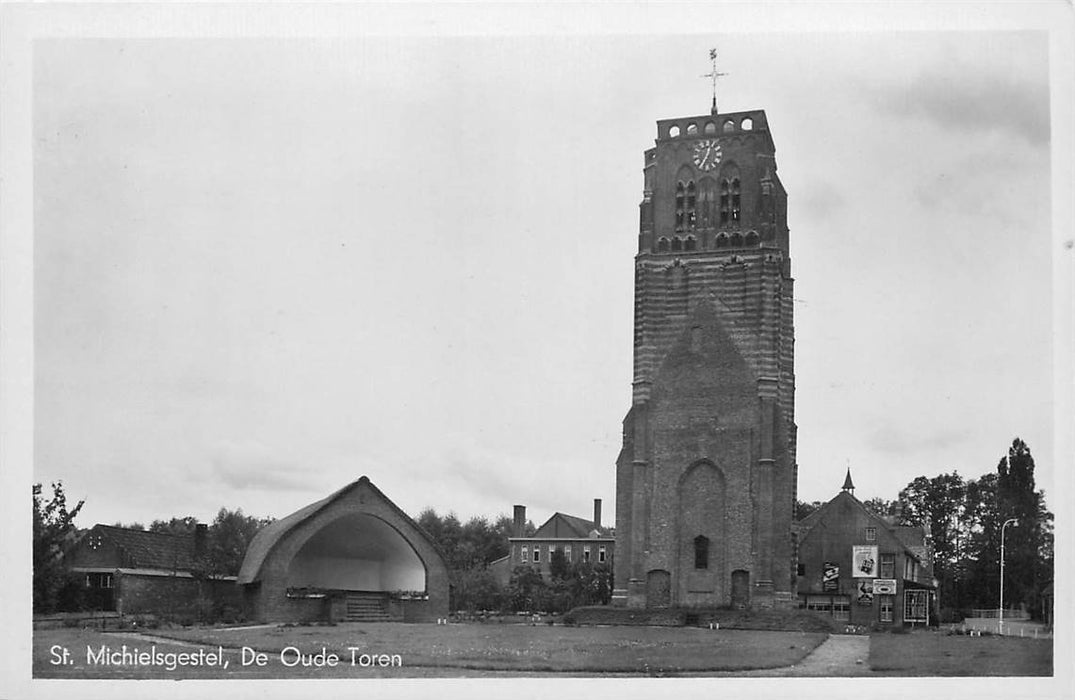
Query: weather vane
point(713, 74)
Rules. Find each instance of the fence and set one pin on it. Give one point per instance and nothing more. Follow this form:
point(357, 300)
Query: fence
point(994, 613)
point(1012, 628)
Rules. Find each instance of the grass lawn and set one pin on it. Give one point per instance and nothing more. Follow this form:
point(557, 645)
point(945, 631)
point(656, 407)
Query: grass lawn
point(443, 650)
point(930, 653)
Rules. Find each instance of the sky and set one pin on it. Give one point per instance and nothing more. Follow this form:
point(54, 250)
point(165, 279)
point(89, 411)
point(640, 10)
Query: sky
point(266, 267)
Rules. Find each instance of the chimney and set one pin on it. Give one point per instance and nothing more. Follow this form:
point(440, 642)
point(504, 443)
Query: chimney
point(597, 513)
point(201, 533)
point(519, 528)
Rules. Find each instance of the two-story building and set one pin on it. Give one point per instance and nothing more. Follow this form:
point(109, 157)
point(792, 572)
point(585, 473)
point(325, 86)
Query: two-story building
point(862, 569)
point(579, 540)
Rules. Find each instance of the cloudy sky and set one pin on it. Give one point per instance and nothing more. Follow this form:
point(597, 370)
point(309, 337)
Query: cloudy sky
point(265, 267)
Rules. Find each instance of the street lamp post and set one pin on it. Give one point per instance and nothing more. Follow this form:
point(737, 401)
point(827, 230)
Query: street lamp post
point(1000, 623)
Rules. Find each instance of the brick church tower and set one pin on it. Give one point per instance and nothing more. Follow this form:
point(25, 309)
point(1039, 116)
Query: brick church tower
point(706, 479)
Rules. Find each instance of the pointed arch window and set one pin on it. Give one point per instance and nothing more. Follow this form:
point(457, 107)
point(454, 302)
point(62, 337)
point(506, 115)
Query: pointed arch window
point(677, 244)
point(735, 200)
point(730, 204)
point(707, 199)
point(691, 243)
point(662, 245)
point(701, 552)
point(686, 205)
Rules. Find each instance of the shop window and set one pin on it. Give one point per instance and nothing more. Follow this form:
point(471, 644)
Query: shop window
point(841, 608)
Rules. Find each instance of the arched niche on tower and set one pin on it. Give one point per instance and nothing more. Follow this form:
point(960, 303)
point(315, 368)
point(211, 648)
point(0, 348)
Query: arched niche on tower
point(701, 501)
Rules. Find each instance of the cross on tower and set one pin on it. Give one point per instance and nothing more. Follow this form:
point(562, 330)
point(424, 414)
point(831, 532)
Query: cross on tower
point(714, 75)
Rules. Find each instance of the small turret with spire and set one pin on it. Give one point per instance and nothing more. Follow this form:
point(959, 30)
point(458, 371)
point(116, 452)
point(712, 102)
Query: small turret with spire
point(849, 485)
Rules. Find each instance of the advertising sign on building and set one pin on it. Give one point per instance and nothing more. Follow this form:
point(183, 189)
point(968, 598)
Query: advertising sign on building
point(864, 561)
point(884, 586)
point(830, 578)
point(866, 589)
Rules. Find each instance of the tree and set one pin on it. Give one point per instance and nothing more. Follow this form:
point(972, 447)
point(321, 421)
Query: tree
point(53, 529)
point(175, 526)
point(1029, 541)
point(526, 588)
point(803, 509)
point(559, 567)
point(228, 538)
point(880, 507)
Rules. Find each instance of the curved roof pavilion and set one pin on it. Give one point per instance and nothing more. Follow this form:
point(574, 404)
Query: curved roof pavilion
point(352, 555)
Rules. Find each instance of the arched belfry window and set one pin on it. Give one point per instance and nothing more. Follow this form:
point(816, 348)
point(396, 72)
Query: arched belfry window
point(707, 203)
point(686, 201)
point(681, 196)
point(730, 207)
point(735, 200)
point(701, 552)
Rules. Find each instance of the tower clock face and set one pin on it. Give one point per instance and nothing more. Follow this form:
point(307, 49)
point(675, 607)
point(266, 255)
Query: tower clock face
point(707, 154)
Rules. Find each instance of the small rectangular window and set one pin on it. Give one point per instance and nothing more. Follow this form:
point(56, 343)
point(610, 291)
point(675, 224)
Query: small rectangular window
point(567, 552)
point(601, 555)
point(801, 570)
point(586, 554)
point(888, 566)
point(526, 554)
point(886, 608)
point(537, 553)
point(871, 534)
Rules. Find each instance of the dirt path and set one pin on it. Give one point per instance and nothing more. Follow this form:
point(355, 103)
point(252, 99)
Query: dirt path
point(839, 655)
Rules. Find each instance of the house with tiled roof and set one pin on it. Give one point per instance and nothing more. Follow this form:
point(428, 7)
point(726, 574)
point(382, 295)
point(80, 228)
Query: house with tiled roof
point(860, 568)
point(580, 540)
point(140, 571)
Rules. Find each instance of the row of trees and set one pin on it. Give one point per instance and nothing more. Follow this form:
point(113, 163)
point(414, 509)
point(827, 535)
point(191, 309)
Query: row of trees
point(471, 547)
point(964, 519)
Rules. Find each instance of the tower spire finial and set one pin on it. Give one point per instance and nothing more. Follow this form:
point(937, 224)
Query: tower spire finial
point(713, 74)
point(849, 485)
